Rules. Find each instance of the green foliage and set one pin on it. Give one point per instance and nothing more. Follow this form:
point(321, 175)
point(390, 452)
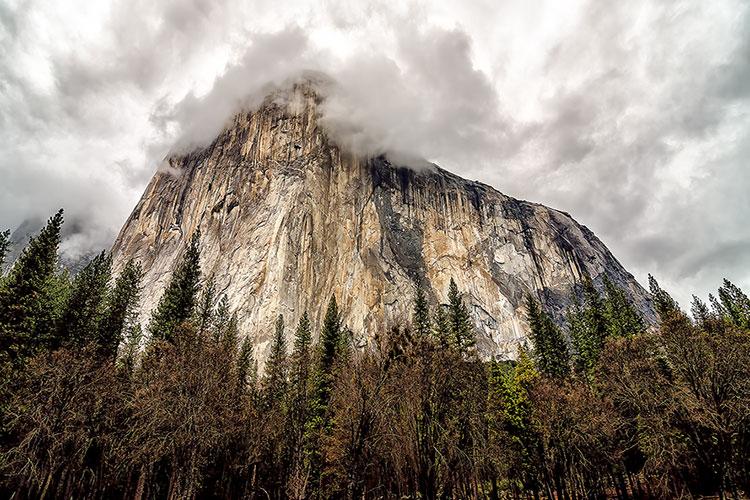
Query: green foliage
point(550, 349)
point(178, 301)
point(274, 383)
point(245, 365)
point(422, 326)
point(512, 410)
point(735, 303)
point(461, 328)
point(664, 304)
point(590, 324)
point(442, 327)
point(621, 317)
point(120, 314)
point(659, 414)
point(303, 336)
point(318, 424)
point(30, 296)
point(85, 306)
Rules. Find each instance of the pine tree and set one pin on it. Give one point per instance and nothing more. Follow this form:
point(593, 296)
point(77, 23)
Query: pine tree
point(204, 316)
point(585, 352)
point(462, 332)
point(319, 420)
point(178, 301)
point(28, 298)
point(621, 317)
point(330, 337)
point(442, 327)
point(594, 314)
point(552, 356)
point(245, 363)
point(700, 311)
point(275, 376)
point(303, 336)
point(79, 324)
point(4, 247)
point(422, 325)
point(735, 303)
point(120, 311)
point(664, 304)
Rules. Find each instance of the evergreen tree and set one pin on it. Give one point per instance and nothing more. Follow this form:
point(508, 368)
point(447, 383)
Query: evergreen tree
point(245, 364)
point(85, 307)
point(585, 352)
point(735, 303)
point(28, 298)
point(551, 352)
point(204, 316)
point(178, 301)
point(462, 331)
point(303, 337)
point(664, 304)
point(330, 337)
point(422, 325)
point(275, 376)
point(621, 317)
point(700, 311)
point(4, 247)
point(442, 327)
point(120, 312)
point(594, 313)
point(319, 422)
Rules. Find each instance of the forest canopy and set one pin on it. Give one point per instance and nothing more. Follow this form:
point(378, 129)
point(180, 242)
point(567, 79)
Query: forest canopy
point(603, 404)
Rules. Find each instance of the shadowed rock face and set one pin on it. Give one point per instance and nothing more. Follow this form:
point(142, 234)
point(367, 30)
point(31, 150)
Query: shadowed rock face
point(287, 219)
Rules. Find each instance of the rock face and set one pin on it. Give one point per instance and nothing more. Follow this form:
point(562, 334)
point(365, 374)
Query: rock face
point(288, 219)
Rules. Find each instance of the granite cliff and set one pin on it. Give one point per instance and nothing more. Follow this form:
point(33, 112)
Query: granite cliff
point(288, 218)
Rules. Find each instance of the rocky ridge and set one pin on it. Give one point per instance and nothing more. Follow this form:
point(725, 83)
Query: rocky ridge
point(288, 218)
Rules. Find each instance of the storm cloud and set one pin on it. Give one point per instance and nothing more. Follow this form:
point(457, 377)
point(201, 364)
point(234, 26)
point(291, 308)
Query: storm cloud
point(632, 116)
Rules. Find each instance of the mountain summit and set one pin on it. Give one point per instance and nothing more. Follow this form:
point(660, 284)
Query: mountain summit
point(288, 218)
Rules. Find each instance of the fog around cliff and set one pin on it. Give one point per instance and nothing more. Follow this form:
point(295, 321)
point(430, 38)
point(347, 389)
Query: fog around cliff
point(634, 117)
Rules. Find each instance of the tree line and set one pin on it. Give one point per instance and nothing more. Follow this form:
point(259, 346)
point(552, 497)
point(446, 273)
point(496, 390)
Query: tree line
point(602, 406)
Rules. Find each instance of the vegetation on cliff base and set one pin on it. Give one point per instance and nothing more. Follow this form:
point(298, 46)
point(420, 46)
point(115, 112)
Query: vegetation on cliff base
point(599, 407)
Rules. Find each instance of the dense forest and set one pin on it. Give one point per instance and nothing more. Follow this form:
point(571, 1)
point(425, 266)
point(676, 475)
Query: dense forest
point(92, 406)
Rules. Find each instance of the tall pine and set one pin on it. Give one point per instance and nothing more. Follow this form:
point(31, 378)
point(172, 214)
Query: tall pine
point(85, 307)
point(735, 303)
point(27, 299)
point(178, 301)
point(120, 311)
point(621, 317)
point(319, 419)
point(550, 349)
point(275, 374)
point(422, 325)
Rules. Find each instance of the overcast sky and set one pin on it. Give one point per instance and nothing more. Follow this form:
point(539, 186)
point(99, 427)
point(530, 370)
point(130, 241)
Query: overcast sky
point(633, 116)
